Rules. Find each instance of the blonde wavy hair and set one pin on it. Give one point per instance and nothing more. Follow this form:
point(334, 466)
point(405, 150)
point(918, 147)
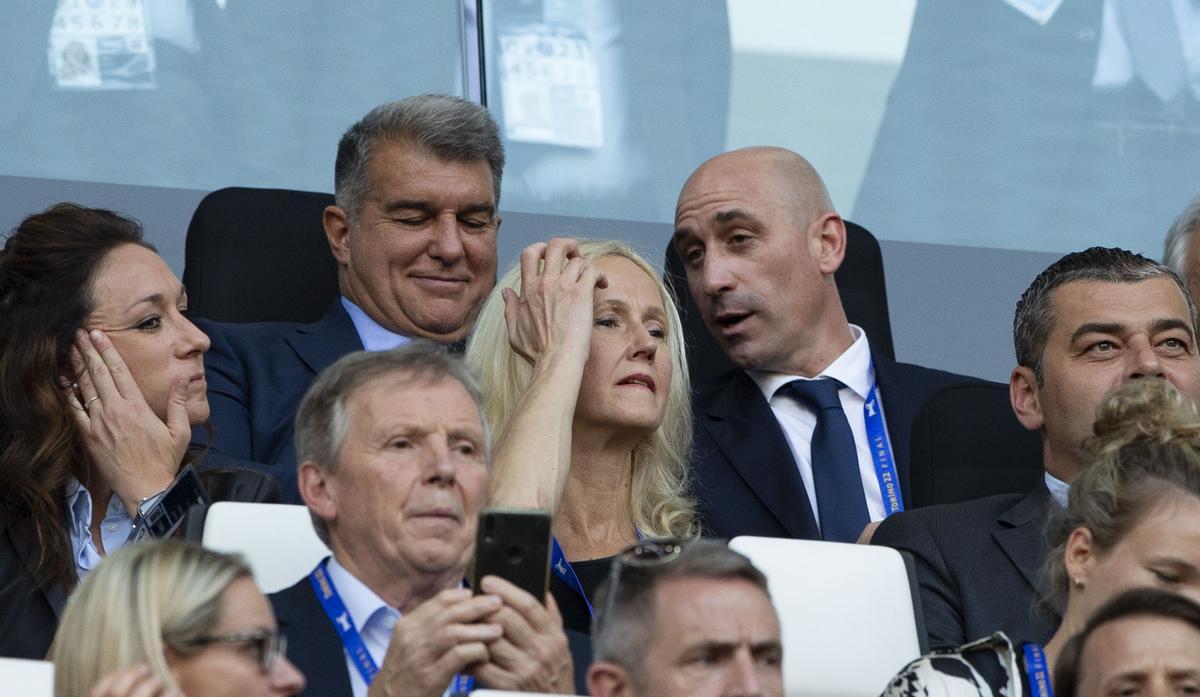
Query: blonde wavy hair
point(660, 500)
point(141, 599)
point(1145, 450)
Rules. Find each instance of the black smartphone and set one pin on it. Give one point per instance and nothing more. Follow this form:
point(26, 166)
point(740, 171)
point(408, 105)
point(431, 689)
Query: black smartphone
point(514, 545)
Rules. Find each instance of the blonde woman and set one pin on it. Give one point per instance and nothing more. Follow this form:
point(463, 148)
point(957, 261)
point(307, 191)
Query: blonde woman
point(580, 354)
point(162, 619)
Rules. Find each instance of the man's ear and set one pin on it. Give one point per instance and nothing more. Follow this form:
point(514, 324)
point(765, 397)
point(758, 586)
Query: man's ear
point(827, 236)
point(605, 679)
point(1023, 394)
point(317, 491)
point(337, 231)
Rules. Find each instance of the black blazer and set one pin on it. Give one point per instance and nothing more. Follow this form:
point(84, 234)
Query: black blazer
point(316, 649)
point(28, 616)
point(257, 374)
point(313, 644)
point(743, 472)
point(979, 567)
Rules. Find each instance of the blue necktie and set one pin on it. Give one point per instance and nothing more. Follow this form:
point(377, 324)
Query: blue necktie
point(841, 504)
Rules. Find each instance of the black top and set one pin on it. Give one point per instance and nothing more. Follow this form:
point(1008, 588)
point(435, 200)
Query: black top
point(591, 573)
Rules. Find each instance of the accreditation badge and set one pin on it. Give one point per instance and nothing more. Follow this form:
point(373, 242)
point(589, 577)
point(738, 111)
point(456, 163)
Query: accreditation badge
point(101, 45)
point(550, 86)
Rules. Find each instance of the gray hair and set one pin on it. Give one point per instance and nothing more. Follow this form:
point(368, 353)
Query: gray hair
point(450, 128)
point(623, 635)
point(1175, 249)
point(1034, 319)
point(322, 422)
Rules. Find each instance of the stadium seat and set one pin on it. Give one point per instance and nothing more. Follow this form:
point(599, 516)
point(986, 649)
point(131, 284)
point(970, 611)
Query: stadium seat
point(258, 255)
point(19, 676)
point(276, 540)
point(967, 443)
point(860, 283)
point(849, 613)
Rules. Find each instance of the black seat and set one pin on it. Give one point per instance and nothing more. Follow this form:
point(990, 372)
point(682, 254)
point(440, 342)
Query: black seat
point(967, 444)
point(256, 255)
point(860, 283)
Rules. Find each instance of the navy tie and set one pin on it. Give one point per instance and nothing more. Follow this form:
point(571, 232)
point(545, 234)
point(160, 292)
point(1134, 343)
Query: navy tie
point(841, 504)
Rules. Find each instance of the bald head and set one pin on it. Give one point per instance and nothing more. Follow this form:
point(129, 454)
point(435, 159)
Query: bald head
point(789, 178)
point(760, 241)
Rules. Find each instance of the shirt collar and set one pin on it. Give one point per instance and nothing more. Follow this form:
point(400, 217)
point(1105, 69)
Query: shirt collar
point(853, 369)
point(360, 601)
point(1059, 490)
point(79, 504)
point(373, 335)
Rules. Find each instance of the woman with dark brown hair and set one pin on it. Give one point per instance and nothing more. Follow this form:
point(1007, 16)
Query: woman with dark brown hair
point(101, 380)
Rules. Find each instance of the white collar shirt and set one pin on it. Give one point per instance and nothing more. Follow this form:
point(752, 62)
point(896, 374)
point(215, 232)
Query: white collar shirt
point(855, 370)
point(1059, 490)
point(373, 335)
point(372, 617)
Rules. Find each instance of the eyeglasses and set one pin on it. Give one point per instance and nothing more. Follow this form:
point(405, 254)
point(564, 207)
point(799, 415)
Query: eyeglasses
point(267, 645)
point(645, 554)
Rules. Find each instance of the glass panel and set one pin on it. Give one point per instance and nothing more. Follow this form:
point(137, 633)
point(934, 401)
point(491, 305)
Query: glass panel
point(1029, 124)
point(209, 93)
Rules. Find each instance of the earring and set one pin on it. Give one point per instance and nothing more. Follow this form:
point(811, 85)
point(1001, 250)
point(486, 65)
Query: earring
point(1078, 582)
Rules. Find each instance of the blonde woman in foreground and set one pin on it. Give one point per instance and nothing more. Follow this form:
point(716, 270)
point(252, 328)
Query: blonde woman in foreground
point(161, 619)
point(579, 352)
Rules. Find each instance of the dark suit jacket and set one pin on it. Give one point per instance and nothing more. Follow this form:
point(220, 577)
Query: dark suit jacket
point(743, 471)
point(979, 566)
point(257, 374)
point(313, 644)
point(316, 649)
point(28, 616)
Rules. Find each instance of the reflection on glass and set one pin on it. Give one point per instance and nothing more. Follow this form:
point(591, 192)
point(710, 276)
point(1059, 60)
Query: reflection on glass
point(209, 93)
point(606, 105)
point(1040, 124)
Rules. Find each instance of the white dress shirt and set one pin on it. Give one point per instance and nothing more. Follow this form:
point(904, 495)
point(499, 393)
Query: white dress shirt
point(373, 618)
point(374, 336)
point(1059, 490)
point(854, 369)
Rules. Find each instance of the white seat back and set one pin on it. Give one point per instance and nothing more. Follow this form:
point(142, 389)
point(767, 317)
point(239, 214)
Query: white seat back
point(846, 611)
point(25, 678)
point(277, 540)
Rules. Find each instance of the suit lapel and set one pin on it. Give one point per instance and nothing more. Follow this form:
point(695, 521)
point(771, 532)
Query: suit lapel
point(899, 410)
point(741, 422)
point(1020, 534)
point(313, 644)
point(321, 343)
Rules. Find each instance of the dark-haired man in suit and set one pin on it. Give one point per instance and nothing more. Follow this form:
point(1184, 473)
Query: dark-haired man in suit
point(810, 438)
point(414, 234)
point(1090, 321)
point(394, 454)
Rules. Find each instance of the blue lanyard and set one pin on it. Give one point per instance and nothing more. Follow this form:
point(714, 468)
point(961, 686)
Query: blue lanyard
point(566, 573)
point(1035, 668)
point(352, 641)
point(881, 452)
point(562, 568)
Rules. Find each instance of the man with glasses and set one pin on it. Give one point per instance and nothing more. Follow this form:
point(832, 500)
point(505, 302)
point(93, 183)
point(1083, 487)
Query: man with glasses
point(687, 619)
point(393, 455)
